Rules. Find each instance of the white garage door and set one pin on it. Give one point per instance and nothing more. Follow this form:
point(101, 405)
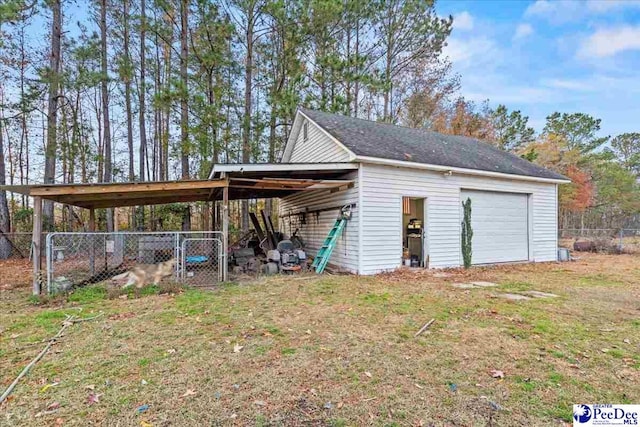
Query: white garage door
point(500, 226)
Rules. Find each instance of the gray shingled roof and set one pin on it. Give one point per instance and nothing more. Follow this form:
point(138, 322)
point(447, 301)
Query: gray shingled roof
point(372, 139)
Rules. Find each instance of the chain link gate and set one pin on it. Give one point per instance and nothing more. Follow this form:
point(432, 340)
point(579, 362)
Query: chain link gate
point(77, 259)
point(201, 261)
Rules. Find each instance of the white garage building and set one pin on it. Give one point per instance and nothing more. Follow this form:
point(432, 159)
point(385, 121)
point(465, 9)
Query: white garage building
point(406, 193)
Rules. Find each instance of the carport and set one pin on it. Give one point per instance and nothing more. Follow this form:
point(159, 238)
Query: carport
point(226, 182)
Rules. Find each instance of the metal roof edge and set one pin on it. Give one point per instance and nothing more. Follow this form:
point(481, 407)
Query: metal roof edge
point(255, 167)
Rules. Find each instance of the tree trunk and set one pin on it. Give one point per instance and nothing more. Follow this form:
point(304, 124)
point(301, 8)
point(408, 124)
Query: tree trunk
point(356, 89)
point(246, 122)
point(390, 46)
point(52, 109)
point(157, 125)
point(127, 89)
point(139, 222)
point(387, 90)
point(5, 220)
point(108, 168)
point(142, 89)
point(24, 135)
point(272, 150)
point(184, 105)
point(127, 77)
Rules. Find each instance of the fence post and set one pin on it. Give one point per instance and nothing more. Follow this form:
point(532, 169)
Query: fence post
point(621, 244)
point(225, 231)
point(36, 243)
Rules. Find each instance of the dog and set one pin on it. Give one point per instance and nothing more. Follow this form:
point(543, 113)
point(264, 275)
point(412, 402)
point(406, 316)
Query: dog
point(142, 274)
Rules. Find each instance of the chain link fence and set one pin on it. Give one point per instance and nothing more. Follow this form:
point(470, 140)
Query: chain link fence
point(17, 245)
point(133, 258)
point(610, 240)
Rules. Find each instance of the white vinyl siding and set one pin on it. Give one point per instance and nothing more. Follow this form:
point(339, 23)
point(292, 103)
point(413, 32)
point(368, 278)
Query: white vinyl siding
point(318, 225)
point(382, 190)
point(500, 224)
point(317, 148)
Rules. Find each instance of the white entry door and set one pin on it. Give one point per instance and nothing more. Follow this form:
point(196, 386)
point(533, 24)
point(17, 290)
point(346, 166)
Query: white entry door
point(500, 223)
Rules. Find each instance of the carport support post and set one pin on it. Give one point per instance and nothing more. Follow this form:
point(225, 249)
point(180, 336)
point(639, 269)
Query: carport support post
point(36, 243)
point(92, 251)
point(225, 232)
point(92, 220)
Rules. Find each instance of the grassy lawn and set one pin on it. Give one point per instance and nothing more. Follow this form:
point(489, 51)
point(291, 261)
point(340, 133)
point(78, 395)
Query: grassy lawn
point(334, 350)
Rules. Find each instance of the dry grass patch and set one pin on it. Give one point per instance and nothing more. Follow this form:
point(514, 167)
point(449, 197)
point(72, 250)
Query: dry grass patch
point(336, 350)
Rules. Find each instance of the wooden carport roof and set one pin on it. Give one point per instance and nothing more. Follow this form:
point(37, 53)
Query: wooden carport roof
point(242, 181)
point(94, 196)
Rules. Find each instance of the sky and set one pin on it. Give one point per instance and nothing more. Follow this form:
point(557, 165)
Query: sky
point(550, 55)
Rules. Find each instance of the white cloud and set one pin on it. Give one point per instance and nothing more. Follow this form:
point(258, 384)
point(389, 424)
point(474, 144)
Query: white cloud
point(603, 6)
point(463, 21)
point(610, 41)
point(559, 11)
point(511, 95)
point(523, 31)
point(543, 8)
point(568, 84)
point(605, 84)
point(471, 52)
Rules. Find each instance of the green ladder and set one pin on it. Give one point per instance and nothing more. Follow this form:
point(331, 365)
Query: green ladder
point(323, 255)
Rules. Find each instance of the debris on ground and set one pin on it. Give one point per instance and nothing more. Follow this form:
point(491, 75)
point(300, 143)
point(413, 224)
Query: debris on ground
point(93, 398)
point(495, 406)
point(513, 297)
point(497, 374)
point(441, 275)
point(474, 285)
point(425, 327)
point(48, 386)
point(481, 284)
point(538, 294)
point(463, 285)
point(189, 392)
point(51, 409)
point(142, 408)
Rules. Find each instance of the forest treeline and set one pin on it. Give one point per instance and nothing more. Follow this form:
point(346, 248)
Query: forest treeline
point(138, 90)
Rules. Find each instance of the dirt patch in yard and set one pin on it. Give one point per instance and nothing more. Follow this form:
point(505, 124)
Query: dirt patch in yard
point(15, 273)
point(335, 350)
